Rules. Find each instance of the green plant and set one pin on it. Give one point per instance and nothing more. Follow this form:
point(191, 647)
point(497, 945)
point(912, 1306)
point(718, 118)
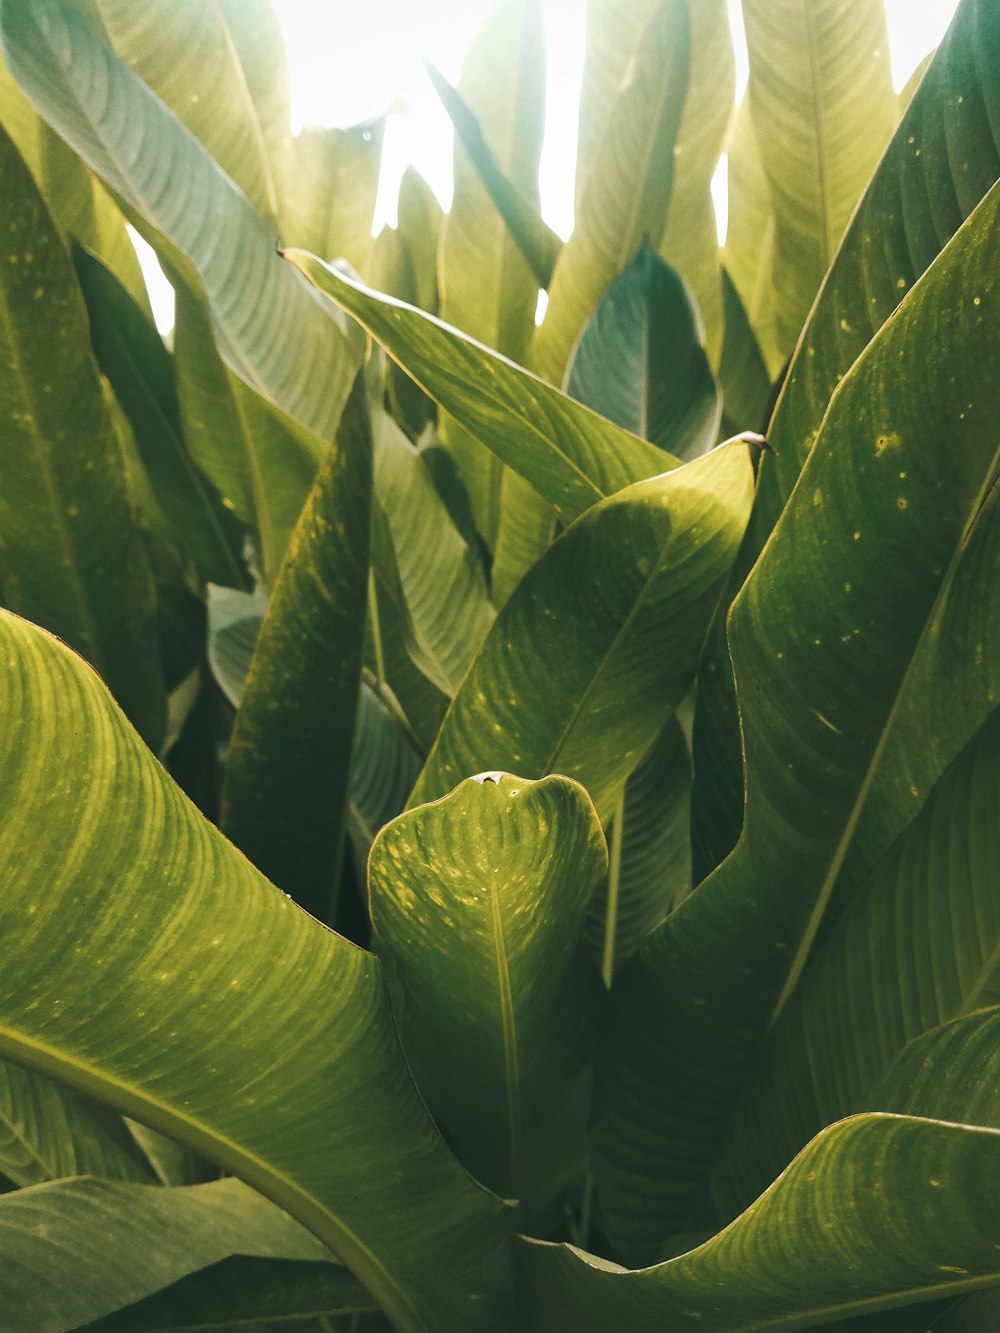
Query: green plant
point(652, 795)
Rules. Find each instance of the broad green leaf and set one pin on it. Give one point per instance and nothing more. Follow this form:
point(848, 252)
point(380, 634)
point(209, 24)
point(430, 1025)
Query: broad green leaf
point(487, 287)
point(420, 219)
point(265, 1043)
point(234, 618)
point(243, 1295)
point(131, 354)
point(76, 1250)
point(640, 360)
point(288, 766)
point(526, 531)
point(822, 1243)
point(751, 237)
point(625, 197)
point(386, 757)
point(256, 33)
point(260, 461)
point(78, 202)
point(536, 241)
point(47, 1131)
point(206, 89)
point(919, 945)
point(271, 329)
point(614, 33)
point(71, 555)
point(743, 377)
point(943, 158)
point(172, 1162)
point(574, 677)
point(650, 852)
point(952, 687)
point(477, 903)
point(822, 637)
point(947, 1073)
point(384, 768)
point(440, 579)
point(823, 109)
point(572, 457)
point(333, 190)
point(690, 241)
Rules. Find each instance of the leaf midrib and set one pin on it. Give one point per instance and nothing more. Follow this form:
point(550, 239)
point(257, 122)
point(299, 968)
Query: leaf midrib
point(282, 1189)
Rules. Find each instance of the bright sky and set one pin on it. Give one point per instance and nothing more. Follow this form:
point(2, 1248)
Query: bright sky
point(350, 62)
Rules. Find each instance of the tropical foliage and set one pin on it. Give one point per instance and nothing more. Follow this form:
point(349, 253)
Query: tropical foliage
point(639, 776)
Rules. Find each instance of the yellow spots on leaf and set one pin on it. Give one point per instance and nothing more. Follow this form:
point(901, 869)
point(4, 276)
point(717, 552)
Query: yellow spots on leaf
point(890, 440)
point(901, 502)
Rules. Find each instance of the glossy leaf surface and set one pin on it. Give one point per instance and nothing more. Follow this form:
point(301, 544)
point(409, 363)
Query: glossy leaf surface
point(569, 455)
point(478, 901)
point(70, 552)
point(573, 677)
point(879, 517)
point(310, 1103)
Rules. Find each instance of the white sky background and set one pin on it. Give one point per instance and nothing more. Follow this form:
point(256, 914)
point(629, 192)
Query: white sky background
point(350, 62)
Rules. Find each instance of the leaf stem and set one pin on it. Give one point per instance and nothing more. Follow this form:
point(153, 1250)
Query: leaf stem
point(614, 885)
point(376, 629)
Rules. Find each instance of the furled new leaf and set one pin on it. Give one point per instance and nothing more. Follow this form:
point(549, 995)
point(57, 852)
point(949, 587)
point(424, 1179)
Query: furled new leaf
point(478, 901)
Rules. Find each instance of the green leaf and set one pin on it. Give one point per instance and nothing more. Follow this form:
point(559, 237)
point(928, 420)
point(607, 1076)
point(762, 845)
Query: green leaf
point(651, 851)
point(823, 109)
point(206, 90)
point(573, 677)
point(261, 462)
point(234, 618)
point(745, 383)
point(812, 1249)
point(441, 580)
point(71, 555)
point(420, 220)
point(822, 637)
point(384, 768)
point(79, 204)
point(76, 1250)
point(249, 1295)
point(47, 1131)
point(952, 687)
point(333, 191)
point(690, 241)
point(946, 150)
point(927, 914)
point(749, 251)
point(640, 361)
point(515, 204)
point(271, 329)
point(488, 289)
point(572, 457)
point(288, 766)
point(267, 1045)
point(477, 902)
point(131, 354)
point(257, 36)
point(625, 196)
